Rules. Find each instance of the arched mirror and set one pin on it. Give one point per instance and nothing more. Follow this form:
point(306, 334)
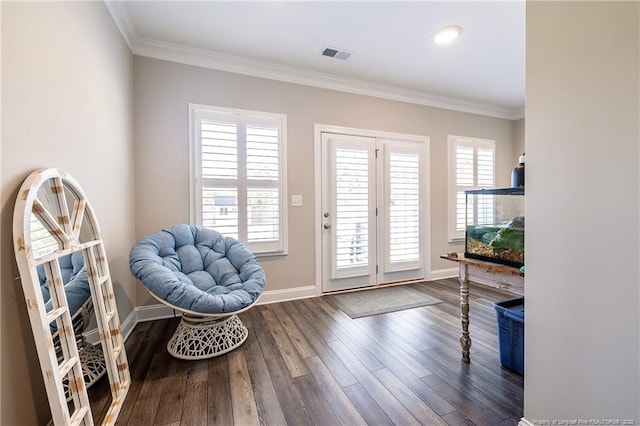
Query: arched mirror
point(65, 277)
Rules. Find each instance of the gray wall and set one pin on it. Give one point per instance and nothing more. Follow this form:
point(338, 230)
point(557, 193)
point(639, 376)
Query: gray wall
point(582, 292)
point(66, 103)
point(164, 89)
point(518, 139)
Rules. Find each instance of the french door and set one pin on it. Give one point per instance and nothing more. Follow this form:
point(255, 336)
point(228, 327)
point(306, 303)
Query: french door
point(373, 198)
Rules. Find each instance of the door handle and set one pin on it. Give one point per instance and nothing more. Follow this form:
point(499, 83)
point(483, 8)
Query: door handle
point(326, 226)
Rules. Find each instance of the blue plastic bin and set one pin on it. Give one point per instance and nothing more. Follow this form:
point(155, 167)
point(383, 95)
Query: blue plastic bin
point(510, 314)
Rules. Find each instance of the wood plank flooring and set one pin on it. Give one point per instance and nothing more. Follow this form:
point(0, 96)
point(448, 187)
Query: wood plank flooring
point(305, 362)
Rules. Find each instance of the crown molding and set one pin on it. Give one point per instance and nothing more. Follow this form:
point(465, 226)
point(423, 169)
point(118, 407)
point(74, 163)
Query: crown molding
point(235, 64)
point(518, 113)
point(123, 21)
point(142, 46)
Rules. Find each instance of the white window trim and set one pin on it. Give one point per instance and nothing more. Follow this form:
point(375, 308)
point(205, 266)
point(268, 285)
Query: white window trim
point(195, 172)
point(454, 235)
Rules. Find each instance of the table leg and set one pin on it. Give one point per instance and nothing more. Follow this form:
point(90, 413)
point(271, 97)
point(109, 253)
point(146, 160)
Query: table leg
point(465, 340)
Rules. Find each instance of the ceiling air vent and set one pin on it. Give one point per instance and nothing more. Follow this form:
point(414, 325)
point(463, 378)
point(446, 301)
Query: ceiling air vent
point(335, 53)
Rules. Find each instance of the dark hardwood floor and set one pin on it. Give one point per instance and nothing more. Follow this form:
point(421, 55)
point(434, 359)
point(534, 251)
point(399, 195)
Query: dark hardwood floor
point(306, 362)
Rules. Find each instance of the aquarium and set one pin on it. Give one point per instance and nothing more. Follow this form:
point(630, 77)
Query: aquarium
point(495, 225)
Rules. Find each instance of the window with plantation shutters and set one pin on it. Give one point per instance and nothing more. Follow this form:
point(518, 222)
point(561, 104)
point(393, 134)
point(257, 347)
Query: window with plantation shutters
point(42, 243)
point(471, 166)
point(237, 175)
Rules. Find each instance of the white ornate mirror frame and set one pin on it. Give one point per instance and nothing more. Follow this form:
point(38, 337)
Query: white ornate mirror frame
point(44, 201)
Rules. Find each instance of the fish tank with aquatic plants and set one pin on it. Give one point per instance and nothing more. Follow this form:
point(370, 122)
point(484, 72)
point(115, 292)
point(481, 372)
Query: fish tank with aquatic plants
point(495, 225)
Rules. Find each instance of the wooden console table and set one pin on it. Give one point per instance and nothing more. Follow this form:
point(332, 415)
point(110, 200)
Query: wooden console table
point(503, 277)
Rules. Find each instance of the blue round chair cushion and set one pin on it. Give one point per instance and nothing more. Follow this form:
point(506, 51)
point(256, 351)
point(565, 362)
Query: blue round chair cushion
point(197, 269)
point(76, 284)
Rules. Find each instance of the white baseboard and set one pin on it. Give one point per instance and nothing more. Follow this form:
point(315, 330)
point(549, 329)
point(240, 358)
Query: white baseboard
point(273, 296)
point(139, 314)
point(129, 324)
point(92, 336)
point(155, 312)
point(525, 422)
point(440, 274)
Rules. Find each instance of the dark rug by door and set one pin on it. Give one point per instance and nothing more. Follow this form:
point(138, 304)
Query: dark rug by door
point(376, 301)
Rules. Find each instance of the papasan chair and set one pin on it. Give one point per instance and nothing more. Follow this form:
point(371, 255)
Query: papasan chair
point(208, 277)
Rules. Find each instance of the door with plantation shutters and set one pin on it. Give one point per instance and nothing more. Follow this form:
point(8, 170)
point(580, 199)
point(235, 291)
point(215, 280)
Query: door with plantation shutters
point(373, 216)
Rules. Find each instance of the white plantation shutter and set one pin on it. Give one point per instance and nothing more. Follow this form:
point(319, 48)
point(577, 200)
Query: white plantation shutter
point(263, 215)
point(238, 169)
point(42, 243)
point(464, 172)
point(484, 175)
point(263, 152)
point(352, 208)
point(484, 167)
point(404, 207)
point(219, 149)
point(472, 166)
point(220, 210)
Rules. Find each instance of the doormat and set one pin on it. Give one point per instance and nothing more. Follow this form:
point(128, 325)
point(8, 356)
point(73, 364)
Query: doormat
point(377, 301)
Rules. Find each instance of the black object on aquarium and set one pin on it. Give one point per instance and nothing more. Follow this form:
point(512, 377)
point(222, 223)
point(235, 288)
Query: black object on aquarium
point(517, 175)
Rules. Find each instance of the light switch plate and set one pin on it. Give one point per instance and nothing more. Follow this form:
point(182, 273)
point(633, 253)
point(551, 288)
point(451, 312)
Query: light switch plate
point(296, 201)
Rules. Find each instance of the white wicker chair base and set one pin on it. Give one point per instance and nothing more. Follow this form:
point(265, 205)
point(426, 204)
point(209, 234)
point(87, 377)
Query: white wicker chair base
point(201, 338)
point(93, 366)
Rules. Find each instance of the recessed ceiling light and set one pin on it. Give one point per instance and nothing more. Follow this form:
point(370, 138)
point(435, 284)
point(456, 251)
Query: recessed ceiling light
point(447, 34)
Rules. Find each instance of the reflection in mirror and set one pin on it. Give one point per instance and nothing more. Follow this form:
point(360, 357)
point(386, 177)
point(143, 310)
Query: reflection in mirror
point(65, 276)
point(76, 286)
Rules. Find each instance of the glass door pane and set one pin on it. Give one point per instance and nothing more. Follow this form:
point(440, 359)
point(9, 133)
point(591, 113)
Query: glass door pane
point(352, 208)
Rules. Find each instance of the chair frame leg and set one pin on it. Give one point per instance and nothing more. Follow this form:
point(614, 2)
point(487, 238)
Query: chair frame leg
point(206, 337)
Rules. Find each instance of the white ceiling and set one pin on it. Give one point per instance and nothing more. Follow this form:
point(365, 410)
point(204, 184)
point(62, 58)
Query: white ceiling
point(390, 41)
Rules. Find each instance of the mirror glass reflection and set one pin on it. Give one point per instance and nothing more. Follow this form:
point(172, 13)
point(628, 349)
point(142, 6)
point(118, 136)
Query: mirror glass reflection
point(77, 291)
